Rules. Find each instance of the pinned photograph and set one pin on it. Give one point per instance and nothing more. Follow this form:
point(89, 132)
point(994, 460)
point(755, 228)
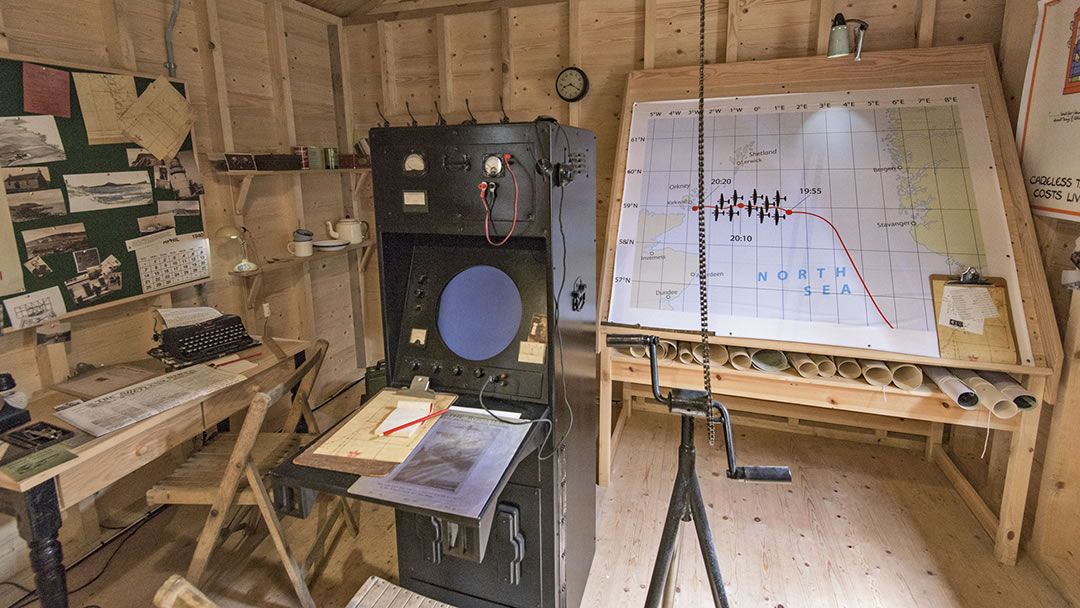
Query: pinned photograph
point(100, 191)
point(54, 333)
point(38, 267)
point(25, 179)
point(110, 263)
point(86, 259)
point(189, 207)
point(156, 223)
point(26, 206)
point(29, 140)
point(180, 174)
point(35, 307)
point(87, 288)
point(240, 162)
point(55, 239)
point(142, 159)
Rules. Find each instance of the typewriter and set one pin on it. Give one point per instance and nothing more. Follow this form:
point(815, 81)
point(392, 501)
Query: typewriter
point(193, 344)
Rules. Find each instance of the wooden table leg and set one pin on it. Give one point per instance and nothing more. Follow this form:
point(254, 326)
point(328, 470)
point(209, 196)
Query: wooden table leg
point(603, 456)
point(1017, 477)
point(37, 512)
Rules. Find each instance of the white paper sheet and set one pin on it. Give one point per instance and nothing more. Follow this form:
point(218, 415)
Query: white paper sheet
point(11, 276)
point(179, 317)
point(405, 412)
point(36, 307)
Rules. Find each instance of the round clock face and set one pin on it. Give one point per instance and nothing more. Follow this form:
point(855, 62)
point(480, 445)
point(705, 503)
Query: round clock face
point(572, 84)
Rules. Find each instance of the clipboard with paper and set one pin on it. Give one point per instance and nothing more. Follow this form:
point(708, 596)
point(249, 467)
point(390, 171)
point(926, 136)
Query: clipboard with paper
point(974, 318)
point(356, 446)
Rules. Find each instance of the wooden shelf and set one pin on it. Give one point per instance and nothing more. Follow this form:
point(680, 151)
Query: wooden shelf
point(243, 203)
point(99, 307)
point(275, 264)
point(925, 403)
point(279, 263)
point(822, 349)
point(338, 171)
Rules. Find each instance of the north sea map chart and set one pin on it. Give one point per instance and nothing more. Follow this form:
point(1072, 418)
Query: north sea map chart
point(826, 214)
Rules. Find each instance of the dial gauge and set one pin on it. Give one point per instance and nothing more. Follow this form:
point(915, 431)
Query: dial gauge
point(572, 84)
point(414, 162)
point(493, 166)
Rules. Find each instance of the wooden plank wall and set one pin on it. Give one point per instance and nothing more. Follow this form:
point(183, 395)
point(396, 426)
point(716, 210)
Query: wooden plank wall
point(422, 55)
point(235, 56)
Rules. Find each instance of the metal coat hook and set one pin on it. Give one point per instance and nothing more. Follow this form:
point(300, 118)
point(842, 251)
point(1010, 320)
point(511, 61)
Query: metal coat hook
point(505, 118)
point(440, 121)
point(472, 119)
point(385, 123)
point(407, 110)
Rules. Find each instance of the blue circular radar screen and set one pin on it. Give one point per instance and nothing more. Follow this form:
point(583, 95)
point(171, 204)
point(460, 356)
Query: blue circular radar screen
point(479, 312)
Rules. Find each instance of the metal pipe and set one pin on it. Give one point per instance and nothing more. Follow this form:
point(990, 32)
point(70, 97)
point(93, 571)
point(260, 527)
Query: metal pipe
point(170, 62)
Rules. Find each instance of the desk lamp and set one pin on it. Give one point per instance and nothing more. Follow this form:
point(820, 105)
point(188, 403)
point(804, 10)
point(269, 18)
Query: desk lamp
point(839, 46)
point(241, 235)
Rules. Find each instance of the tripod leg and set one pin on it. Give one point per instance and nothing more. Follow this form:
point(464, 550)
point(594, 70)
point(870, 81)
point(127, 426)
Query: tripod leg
point(708, 550)
point(676, 509)
point(673, 572)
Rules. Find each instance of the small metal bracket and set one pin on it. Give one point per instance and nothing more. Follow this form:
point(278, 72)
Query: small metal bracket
point(418, 388)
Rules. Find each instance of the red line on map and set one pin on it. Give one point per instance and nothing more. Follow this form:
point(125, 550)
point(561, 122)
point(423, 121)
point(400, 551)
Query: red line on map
point(842, 244)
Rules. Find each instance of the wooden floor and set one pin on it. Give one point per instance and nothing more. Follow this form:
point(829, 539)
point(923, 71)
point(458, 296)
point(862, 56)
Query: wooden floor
point(861, 526)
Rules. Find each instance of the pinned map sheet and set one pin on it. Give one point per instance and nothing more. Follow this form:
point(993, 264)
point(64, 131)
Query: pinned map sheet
point(103, 98)
point(825, 214)
point(159, 120)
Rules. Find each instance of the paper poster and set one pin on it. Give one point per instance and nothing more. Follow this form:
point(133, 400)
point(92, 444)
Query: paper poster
point(29, 140)
point(159, 120)
point(1049, 123)
point(103, 98)
point(35, 308)
point(11, 276)
point(101, 191)
point(46, 90)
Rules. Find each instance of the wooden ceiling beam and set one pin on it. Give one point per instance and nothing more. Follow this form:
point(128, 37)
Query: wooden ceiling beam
point(485, 5)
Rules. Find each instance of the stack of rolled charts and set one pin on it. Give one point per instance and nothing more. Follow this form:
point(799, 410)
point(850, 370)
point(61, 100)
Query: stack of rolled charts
point(995, 391)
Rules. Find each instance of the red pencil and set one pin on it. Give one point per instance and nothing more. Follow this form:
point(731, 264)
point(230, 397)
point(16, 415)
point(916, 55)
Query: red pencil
point(417, 421)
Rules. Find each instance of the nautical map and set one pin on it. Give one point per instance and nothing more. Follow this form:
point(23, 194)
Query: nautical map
point(826, 214)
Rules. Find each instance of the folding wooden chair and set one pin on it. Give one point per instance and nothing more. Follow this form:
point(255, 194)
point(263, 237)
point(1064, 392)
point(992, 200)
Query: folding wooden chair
point(229, 472)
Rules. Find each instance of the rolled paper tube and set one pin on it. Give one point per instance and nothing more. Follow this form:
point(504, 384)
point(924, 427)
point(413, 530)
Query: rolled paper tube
point(952, 386)
point(1023, 398)
point(684, 354)
point(768, 360)
point(848, 367)
point(905, 375)
point(718, 354)
point(638, 352)
point(671, 350)
point(740, 359)
point(989, 397)
point(826, 367)
point(875, 372)
point(803, 364)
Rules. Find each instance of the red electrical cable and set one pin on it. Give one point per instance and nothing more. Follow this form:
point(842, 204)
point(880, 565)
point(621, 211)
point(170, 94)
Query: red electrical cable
point(487, 210)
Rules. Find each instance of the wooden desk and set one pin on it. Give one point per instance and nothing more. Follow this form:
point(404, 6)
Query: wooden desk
point(37, 501)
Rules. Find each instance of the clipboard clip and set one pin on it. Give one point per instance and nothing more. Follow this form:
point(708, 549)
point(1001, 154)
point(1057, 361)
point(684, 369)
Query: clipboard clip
point(419, 388)
point(968, 277)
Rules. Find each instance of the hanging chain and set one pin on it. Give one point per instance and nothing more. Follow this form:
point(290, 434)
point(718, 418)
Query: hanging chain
point(703, 284)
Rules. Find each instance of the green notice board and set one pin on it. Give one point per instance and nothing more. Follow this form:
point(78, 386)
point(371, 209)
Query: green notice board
point(176, 188)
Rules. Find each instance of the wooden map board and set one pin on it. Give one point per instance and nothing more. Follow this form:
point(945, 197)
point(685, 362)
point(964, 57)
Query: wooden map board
point(904, 68)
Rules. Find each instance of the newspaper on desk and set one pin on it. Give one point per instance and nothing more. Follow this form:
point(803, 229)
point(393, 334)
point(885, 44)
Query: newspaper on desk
point(137, 402)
